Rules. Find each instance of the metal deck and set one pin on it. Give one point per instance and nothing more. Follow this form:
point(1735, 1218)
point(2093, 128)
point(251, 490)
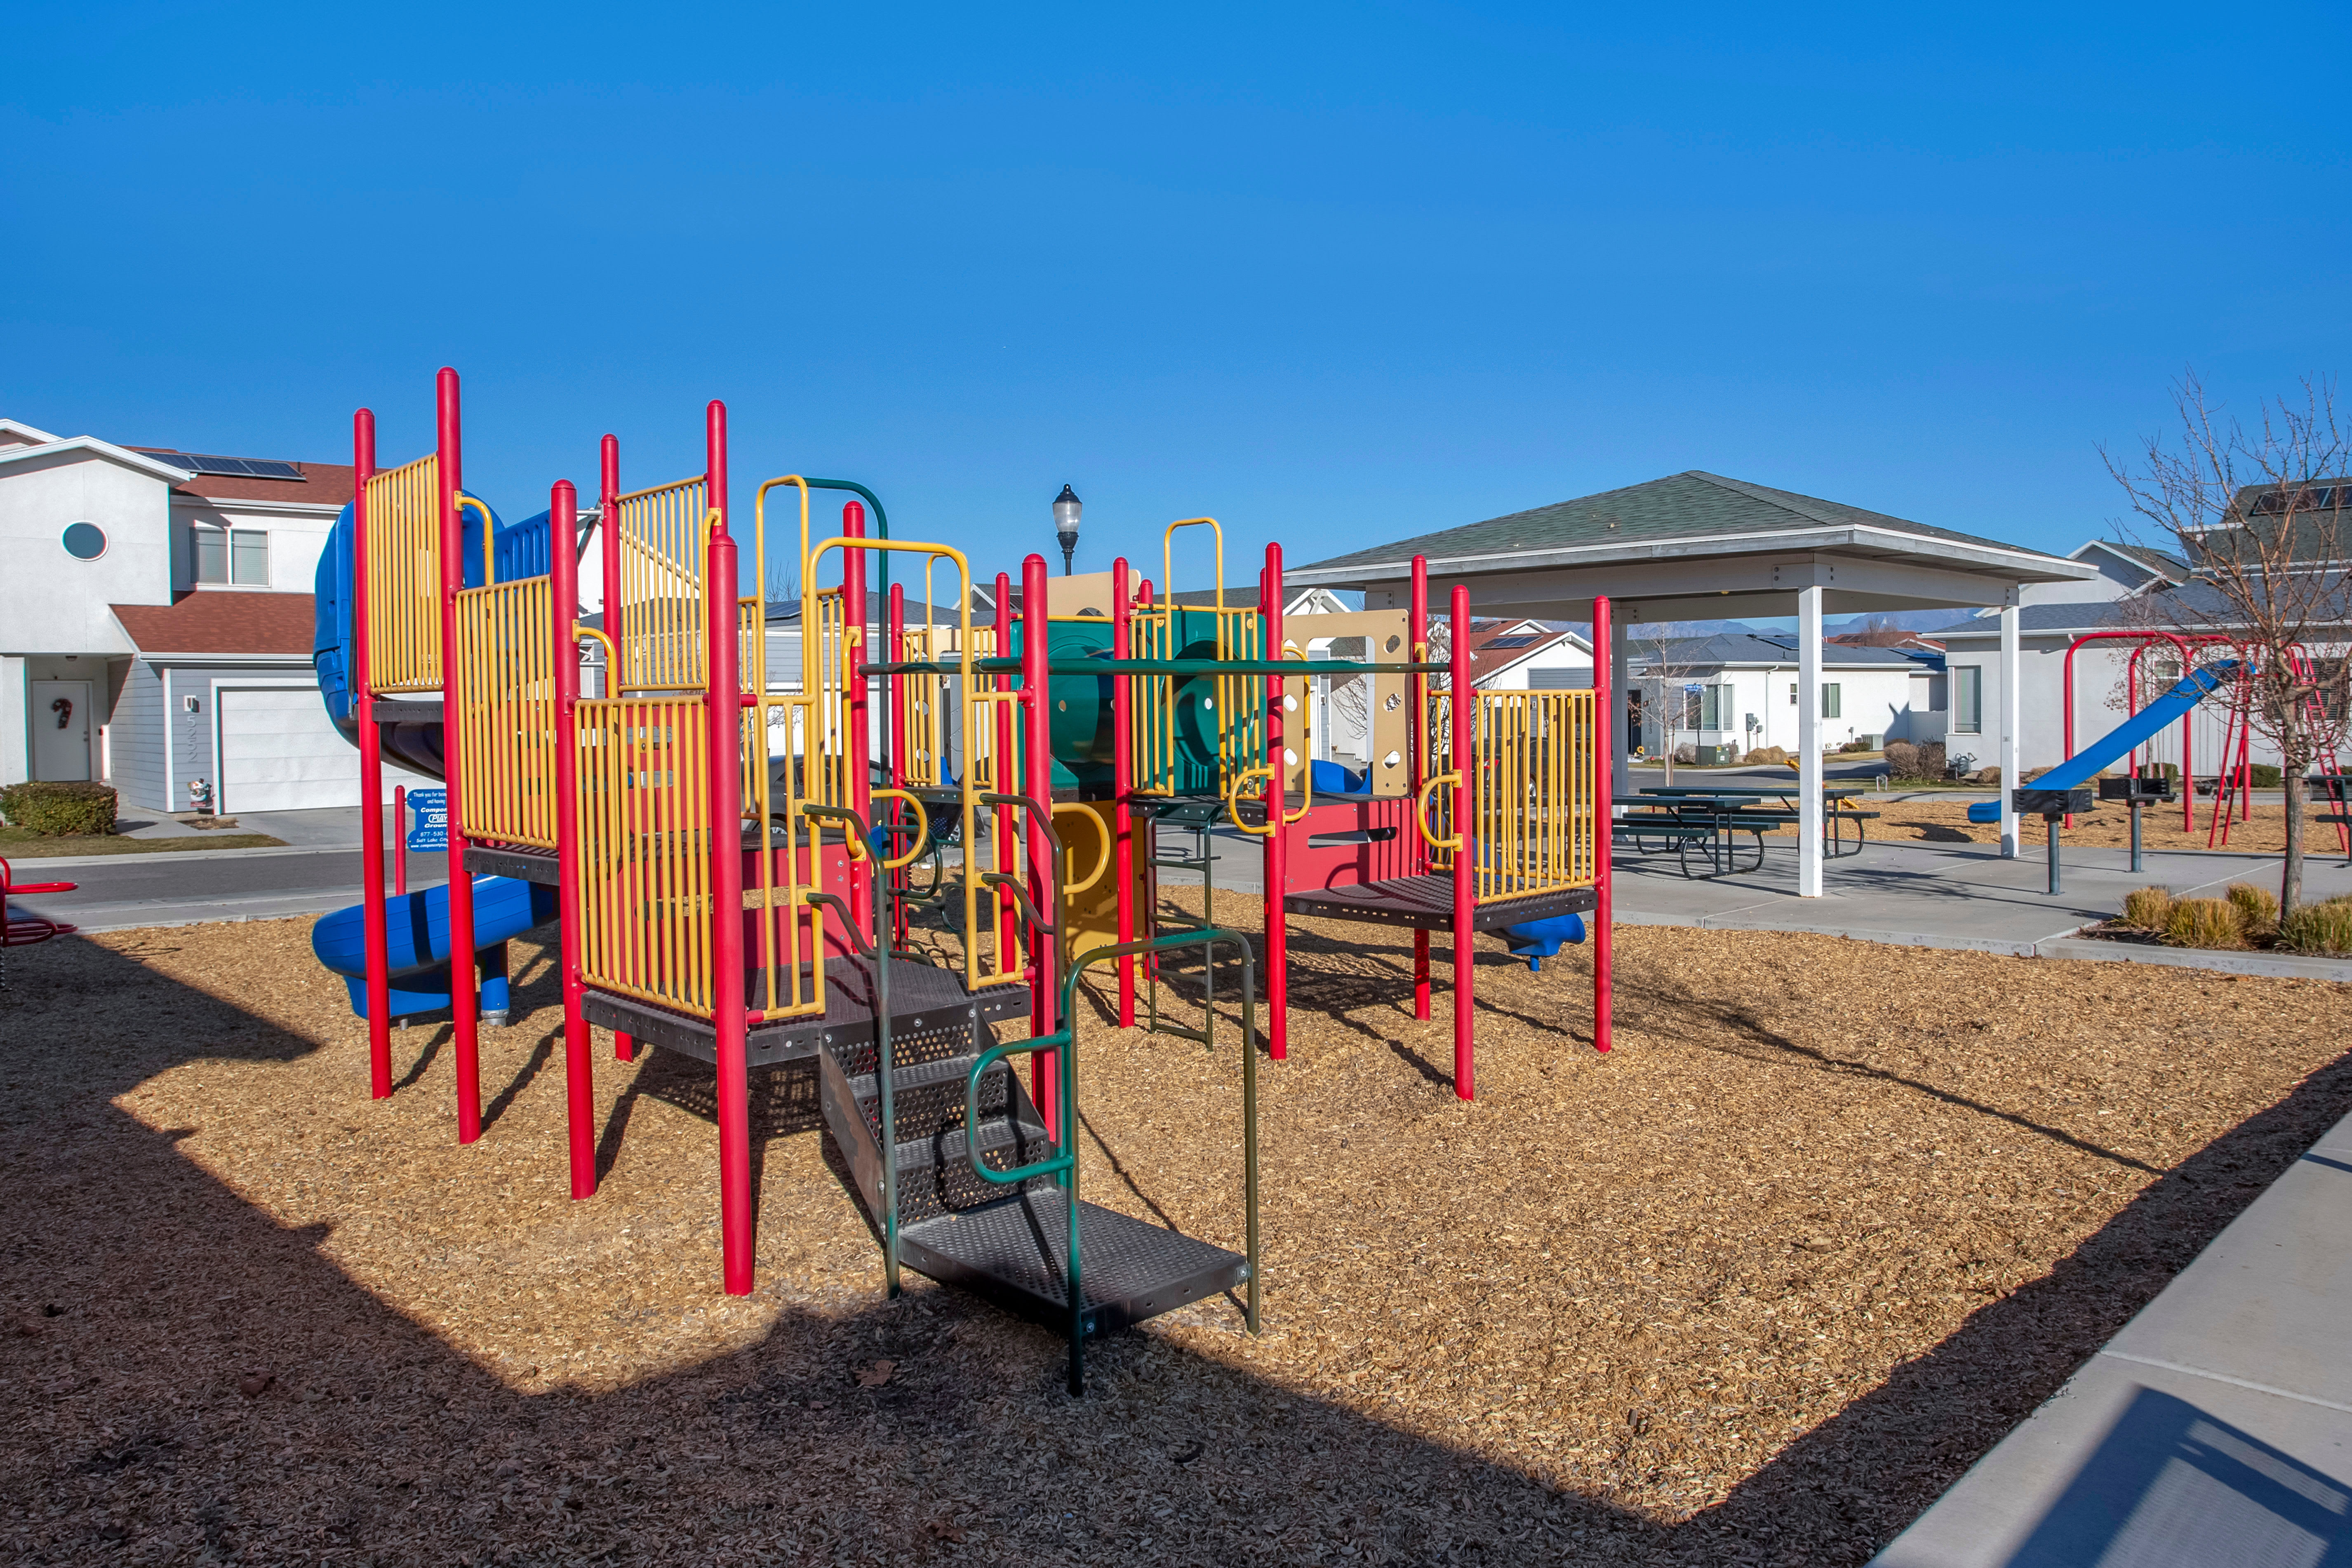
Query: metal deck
point(1426, 903)
point(922, 999)
point(521, 862)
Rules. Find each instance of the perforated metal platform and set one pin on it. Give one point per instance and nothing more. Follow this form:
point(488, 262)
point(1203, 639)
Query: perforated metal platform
point(922, 999)
point(1013, 1253)
point(513, 861)
point(1426, 903)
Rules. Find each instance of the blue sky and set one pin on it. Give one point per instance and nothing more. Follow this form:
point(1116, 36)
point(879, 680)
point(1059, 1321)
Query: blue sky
point(1333, 275)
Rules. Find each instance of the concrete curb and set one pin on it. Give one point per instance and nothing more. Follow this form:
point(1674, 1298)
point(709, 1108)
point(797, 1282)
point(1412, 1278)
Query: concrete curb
point(258, 852)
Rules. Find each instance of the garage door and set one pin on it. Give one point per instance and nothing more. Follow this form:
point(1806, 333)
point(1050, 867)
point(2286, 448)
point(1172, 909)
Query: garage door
point(280, 753)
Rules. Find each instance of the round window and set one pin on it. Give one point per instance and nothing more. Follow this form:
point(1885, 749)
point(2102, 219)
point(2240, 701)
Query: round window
point(85, 541)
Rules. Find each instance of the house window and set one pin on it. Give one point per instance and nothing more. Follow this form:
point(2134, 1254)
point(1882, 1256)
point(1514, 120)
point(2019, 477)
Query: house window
point(1832, 700)
point(1792, 694)
point(1710, 707)
point(1967, 700)
point(236, 557)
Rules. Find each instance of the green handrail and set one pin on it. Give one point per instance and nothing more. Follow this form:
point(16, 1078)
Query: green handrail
point(1063, 1043)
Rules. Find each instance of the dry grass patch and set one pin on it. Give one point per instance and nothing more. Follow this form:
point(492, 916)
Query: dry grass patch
point(1753, 1288)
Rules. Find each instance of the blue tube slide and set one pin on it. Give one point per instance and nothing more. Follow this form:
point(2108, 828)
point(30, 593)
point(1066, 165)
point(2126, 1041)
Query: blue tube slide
point(417, 925)
point(418, 932)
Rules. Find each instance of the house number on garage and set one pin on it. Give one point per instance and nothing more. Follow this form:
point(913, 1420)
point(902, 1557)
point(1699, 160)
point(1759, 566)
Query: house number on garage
point(430, 835)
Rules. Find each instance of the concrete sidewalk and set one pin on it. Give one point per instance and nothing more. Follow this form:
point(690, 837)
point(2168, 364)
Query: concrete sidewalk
point(1966, 896)
point(2216, 1428)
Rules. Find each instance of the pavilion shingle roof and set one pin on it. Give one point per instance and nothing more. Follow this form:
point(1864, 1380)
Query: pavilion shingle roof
point(1692, 504)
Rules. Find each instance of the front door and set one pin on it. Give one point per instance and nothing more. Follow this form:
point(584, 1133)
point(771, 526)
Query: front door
point(61, 731)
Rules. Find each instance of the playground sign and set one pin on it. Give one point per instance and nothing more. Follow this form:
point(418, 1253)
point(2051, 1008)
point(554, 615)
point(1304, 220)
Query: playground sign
point(431, 834)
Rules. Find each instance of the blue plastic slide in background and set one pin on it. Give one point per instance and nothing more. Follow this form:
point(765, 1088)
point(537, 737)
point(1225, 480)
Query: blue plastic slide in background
point(2136, 730)
point(418, 927)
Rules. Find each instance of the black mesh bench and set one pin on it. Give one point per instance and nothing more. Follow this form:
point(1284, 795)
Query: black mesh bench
point(1426, 903)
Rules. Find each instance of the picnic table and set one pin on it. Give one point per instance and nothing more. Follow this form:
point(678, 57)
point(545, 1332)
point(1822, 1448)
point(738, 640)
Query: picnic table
point(1676, 819)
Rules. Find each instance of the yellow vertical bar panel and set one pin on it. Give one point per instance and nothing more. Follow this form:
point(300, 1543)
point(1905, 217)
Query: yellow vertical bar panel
point(661, 532)
point(403, 578)
point(506, 685)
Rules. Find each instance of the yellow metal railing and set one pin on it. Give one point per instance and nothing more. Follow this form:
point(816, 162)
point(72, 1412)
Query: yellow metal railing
point(506, 711)
point(790, 951)
point(664, 533)
point(644, 849)
point(404, 577)
point(1238, 718)
point(1531, 799)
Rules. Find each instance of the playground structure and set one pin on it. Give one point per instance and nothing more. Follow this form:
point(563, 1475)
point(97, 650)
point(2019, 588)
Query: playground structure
point(26, 931)
point(737, 869)
point(2141, 739)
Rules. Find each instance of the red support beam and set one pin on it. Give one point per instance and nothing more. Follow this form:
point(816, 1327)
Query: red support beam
point(1417, 762)
point(374, 937)
point(1603, 828)
point(1277, 930)
point(1037, 758)
point(579, 1062)
point(465, 994)
point(1463, 711)
point(1122, 785)
point(730, 1020)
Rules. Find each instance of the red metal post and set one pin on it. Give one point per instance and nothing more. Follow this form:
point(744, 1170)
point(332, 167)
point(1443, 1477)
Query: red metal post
point(1603, 828)
point(1277, 759)
point(579, 1063)
point(1006, 835)
point(728, 1015)
point(373, 937)
point(1037, 757)
point(1122, 784)
point(1464, 712)
point(608, 523)
point(901, 733)
point(1417, 728)
point(856, 737)
point(464, 985)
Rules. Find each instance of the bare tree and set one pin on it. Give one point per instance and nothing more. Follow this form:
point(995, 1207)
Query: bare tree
point(2264, 515)
point(1660, 684)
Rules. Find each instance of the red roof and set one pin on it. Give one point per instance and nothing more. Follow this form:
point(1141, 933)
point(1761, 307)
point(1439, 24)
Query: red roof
point(222, 621)
point(322, 484)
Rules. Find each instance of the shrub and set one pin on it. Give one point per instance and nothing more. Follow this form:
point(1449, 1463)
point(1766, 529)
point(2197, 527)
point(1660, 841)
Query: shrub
point(2259, 907)
point(2323, 929)
point(59, 808)
point(2205, 922)
point(1856, 744)
point(2150, 908)
point(1763, 755)
point(2262, 776)
point(1902, 759)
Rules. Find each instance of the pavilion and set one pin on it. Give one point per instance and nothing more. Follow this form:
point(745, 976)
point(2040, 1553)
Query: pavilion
point(1698, 546)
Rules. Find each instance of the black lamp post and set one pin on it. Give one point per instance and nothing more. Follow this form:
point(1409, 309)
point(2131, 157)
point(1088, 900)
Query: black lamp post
point(1066, 508)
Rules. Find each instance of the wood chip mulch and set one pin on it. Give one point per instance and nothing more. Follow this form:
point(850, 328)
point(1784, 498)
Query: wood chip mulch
point(1753, 1288)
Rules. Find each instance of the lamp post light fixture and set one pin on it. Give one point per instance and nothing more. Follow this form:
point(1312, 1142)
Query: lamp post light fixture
point(1066, 508)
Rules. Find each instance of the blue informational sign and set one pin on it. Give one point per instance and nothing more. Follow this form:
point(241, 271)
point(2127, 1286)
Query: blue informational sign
point(430, 835)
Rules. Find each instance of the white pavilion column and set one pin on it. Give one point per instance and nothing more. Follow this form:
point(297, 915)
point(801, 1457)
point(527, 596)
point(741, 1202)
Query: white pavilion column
point(1620, 750)
point(2011, 699)
point(1808, 743)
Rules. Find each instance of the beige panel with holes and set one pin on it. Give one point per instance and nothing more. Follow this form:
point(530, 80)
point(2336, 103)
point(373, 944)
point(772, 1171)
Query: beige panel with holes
point(1365, 714)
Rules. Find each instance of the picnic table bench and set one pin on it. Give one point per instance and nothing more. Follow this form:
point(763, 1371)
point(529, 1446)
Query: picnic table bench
point(1678, 821)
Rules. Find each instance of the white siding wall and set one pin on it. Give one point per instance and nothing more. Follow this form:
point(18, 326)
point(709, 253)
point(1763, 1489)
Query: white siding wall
point(52, 603)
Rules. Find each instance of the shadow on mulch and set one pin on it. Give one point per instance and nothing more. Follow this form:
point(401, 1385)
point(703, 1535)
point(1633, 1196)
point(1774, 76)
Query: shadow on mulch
point(191, 1380)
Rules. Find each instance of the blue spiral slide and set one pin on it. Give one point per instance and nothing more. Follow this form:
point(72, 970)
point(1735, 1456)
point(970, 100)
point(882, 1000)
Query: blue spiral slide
point(418, 924)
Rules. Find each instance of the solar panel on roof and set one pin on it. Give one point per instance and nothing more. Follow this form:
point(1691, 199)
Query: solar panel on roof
point(1518, 639)
point(270, 468)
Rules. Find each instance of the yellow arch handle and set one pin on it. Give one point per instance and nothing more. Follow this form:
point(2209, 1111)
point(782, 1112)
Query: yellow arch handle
point(1102, 864)
point(1233, 815)
point(1421, 812)
point(922, 820)
point(490, 545)
point(611, 656)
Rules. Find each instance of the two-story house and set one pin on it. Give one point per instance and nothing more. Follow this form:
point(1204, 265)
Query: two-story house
point(156, 620)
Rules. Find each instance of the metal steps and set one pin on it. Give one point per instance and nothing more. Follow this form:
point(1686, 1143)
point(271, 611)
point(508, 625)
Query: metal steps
point(1008, 1244)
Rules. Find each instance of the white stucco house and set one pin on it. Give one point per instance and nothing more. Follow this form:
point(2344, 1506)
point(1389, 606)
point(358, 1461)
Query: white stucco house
point(155, 623)
point(1730, 693)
